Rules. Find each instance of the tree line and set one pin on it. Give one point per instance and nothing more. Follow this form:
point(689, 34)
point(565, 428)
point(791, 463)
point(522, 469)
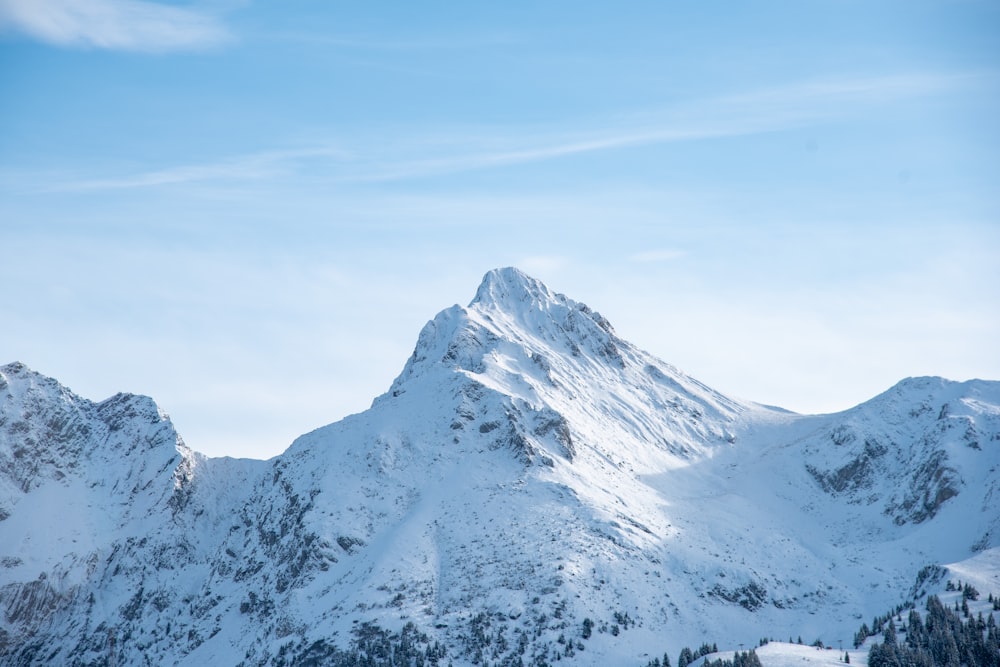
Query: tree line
point(943, 637)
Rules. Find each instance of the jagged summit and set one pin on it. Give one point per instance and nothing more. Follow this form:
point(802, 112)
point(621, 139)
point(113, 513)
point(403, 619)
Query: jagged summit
point(511, 308)
point(511, 288)
point(528, 301)
point(18, 380)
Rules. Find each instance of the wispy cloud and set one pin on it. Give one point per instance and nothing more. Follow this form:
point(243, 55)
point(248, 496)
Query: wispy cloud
point(362, 42)
point(126, 25)
point(755, 112)
point(253, 166)
point(416, 156)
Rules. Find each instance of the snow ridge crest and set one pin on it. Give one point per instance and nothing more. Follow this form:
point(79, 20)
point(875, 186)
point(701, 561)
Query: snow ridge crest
point(523, 304)
point(509, 288)
point(521, 311)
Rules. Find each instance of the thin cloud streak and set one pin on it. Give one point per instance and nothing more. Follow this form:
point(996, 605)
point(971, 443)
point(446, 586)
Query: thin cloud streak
point(254, 166)
point(767, 110)
point(368, 43)
point(471, 162)
point(125, 25)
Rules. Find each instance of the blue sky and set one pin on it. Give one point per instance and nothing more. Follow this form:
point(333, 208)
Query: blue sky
point(247, 210)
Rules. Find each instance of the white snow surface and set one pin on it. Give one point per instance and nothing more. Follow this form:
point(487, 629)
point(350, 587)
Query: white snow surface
point(527, 470)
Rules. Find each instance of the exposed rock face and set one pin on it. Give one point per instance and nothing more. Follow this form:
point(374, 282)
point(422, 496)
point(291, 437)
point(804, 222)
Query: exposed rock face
point(528, 475)
point(81, 483)
point(902, 450)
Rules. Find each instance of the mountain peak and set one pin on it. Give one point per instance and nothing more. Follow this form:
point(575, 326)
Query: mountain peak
point(508, 287)
point(511, 306)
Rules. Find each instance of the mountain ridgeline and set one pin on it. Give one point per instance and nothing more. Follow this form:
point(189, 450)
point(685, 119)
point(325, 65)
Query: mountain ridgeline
point(531, 489)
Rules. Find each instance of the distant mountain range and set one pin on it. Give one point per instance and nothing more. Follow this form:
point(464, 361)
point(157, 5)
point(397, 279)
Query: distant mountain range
point(531, 489)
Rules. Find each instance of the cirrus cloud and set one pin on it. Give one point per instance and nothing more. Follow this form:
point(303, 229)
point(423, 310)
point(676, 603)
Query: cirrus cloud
point(125, 25)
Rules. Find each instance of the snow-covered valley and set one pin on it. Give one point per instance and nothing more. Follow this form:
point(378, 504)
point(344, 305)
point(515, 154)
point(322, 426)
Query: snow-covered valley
point(531, 489)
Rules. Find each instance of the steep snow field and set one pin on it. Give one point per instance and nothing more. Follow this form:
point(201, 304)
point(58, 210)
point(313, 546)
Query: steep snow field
point(530, 487)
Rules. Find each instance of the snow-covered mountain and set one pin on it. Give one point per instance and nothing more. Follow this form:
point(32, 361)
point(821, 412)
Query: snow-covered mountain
point(531, 488)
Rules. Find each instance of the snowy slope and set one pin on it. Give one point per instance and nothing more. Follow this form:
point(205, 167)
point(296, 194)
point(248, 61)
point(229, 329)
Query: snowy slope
point(530, 487)
point(99, 500)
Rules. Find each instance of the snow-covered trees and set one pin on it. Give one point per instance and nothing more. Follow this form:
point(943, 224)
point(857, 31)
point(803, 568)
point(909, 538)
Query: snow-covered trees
point(941, 639)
